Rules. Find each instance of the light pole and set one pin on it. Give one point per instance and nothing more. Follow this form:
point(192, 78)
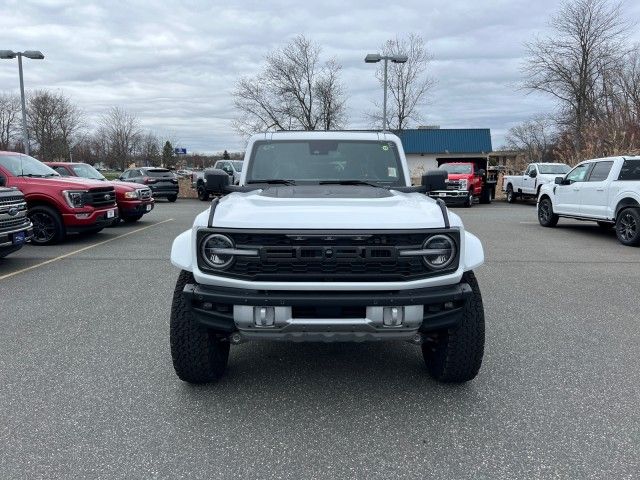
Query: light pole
point(34, 55)
point(375, 58)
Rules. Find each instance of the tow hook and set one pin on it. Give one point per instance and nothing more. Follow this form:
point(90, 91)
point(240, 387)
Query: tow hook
point(417, 339)
point(236, 338)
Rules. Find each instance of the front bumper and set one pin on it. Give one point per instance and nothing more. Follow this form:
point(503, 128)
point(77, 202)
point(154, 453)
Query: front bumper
point(451, 197)
point(77, 222)
point(6, 237)
point(327, 315)
point(133, 208)
point(164, 190)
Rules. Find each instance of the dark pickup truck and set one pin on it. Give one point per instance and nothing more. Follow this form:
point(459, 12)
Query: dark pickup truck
point(15, 226)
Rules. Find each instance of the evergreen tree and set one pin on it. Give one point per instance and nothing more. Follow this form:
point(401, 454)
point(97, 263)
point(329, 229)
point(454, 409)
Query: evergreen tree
point(225, 156)
point(168, 156)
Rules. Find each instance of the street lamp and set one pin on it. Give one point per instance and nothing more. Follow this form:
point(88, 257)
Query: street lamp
point(375, 58)
point(33, 55)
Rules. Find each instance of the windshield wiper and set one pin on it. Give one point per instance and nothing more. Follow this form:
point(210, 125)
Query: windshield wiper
point(31, 175)
point(349, 182)
point(274, 181)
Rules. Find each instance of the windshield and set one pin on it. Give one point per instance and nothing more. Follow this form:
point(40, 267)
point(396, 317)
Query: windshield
point(456, 167)
point(315, 161)
point(237, 166)
point(87, 171)
point(559, 168)
point(158, 173)
point(25, 166)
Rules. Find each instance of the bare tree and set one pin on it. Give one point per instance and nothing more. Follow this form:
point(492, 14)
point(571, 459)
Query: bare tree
point(9, 119)
point(294, 91)
point(408, 83)
point(150, 153)
point(587, 40)
point(122, 134)
point(533, 137)
point(54, 124)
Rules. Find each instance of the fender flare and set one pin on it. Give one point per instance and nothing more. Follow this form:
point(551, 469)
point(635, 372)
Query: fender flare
point(181, 251)
point(473, 252)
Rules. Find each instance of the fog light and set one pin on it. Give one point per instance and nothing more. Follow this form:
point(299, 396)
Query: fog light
point(82, 215)
point(264, 316)
point(448, 305)
point(392, 316)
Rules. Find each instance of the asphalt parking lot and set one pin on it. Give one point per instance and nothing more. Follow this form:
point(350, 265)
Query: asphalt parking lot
point(87, 389)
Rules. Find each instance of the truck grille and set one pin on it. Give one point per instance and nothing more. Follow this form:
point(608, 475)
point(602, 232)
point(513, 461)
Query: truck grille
point(144, 193)
point(100, 197)
point(11, 199)
point(331, 256)
point(13, 223)
point(453, 184)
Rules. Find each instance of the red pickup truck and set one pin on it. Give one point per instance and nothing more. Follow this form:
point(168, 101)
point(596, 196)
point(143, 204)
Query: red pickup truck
point(134, 199)
point(467, 182)
point(57, 206)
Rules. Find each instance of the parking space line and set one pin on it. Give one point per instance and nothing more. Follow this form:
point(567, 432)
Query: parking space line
point(80, 250)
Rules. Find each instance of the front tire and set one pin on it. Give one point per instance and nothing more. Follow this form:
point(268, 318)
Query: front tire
point(199, 355)
point(546, 217)
point(203, 195)
point(511, 196)
point(172, 198)
point(47, 225)
point(469, 201)
point(628, 227)
point(455, 355)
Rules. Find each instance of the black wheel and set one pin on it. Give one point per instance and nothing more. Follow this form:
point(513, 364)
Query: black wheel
point(606, 225)
point(485, 196)
point(131, 219)
point(172, 198)
point(47, 225)
point(468, 203)
point(199, 355)
point(511, 196)
point(546, 217)
point(455, 355)
point(203, 195)
point(628, 227)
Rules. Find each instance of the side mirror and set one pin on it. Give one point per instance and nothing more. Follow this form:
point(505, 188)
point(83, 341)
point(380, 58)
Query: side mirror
point(434, 180)
point(559, 180)
point(216, 180)
point(533, 174)
point(481, 172)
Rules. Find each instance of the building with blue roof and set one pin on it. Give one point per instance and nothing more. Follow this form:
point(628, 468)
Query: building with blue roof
point(424, 146)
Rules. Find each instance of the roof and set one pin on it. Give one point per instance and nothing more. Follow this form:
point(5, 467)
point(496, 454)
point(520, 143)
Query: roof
point(446, 140)
point(324, 135)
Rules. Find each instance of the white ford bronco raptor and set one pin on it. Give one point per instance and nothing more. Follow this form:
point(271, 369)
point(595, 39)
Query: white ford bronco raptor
point(325, 240)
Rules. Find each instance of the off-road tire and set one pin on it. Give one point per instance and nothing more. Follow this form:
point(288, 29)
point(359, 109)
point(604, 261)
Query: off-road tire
point(485, 196)
point(172, 198)
point(54, 226)
point(511, 195)
point(546, 217)
point(199, 355)
point(455, 355)
point(131, 219)
point(203, 195)
point(628, 226)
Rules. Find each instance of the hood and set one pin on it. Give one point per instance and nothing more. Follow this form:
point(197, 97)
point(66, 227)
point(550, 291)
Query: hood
point(67, 182)
point(125, 186)
point(459, 176)
point(548, 177)
point(328, 207)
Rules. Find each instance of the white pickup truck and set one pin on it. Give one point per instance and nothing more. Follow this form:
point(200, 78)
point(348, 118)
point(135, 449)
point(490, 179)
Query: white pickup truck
point(326, 240)
point(529, 183)
point(604, 190)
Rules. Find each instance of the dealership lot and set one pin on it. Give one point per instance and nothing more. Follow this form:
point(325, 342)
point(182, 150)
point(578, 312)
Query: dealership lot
point(87, 388)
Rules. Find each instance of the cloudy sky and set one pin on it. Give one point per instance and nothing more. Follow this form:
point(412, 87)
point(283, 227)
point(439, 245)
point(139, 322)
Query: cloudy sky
point(174, 64)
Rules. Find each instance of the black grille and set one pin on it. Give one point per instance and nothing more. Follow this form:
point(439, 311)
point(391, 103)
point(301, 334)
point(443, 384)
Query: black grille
point(13, 223)
point(100, 197)
point(331, 256)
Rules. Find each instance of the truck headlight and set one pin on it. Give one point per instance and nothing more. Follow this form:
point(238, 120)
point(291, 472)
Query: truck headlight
point(74, 198)
point(131, 195)
point(442, 251)
point(213, 249)
point(464, 183)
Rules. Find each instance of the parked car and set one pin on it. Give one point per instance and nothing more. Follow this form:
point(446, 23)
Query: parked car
point(534, 177)
point(233, 168)
point(325, 240)
point(58, 206)
point(467, 182)
point(162, 182)
point(603, 190)
point(134, 200)
point(15, 227)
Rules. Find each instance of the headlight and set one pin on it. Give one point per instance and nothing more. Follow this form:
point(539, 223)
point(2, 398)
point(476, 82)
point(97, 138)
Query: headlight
point(131, 195)
point(212, 250)
point(442, 251)
point(464, 183)
point(74, 198)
